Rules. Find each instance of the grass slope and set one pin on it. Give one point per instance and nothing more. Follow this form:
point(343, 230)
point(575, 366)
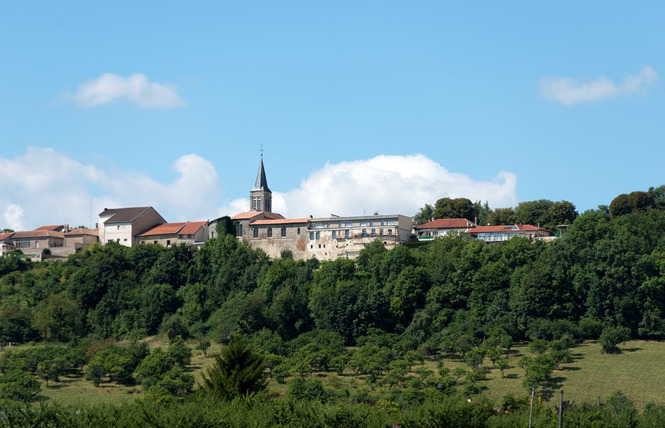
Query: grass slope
point(639, 372)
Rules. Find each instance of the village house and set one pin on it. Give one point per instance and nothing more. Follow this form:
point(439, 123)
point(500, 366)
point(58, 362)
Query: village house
point(491, 234)
point(167, 234)
point(6, 244)
point(442, 227)
point(78, 238)
point(123, 225)
point(33, 243)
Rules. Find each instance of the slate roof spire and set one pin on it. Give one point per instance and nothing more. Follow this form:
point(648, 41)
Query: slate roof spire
point(261, 182)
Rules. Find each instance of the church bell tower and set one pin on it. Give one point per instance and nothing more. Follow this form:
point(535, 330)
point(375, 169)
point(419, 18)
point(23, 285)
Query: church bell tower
point(260, 197)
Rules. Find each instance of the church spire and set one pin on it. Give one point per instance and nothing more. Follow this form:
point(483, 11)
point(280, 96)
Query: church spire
point(261, 182)
point(260, 197)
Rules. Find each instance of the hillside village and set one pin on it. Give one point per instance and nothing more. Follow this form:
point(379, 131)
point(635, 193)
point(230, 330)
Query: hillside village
point(324, 238)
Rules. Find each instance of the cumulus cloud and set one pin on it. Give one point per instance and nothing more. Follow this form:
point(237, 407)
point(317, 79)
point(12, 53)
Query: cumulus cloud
point(134, 89)
point(569, 91)
point(47, 187)
point(384, 184)
point(69, 191)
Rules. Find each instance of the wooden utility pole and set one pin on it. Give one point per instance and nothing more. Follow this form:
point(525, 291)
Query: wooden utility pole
point(561, 410)
point(533, 391)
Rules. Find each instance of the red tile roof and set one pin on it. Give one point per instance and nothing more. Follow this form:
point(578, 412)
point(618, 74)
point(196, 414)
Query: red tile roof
point(513, 228)
point(280, 221)
point(447, 223)
point(55, 228)
point(163, 229)
point(4, 236)
point(192, 227)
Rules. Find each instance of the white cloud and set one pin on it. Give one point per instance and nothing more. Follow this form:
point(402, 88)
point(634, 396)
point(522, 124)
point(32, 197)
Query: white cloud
point(135, 89)
point(46, 187)
point(569, 91)
point(13, 216)
point(384, 184)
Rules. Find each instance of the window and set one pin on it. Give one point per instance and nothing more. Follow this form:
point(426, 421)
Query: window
point(318, 235)
point(256, 203)
point(239, 231)
point(118, 227)
point(390, 232)
point(255, 232)
point(364, 232)
point(298, 231)
point(380, 232)
point(383, 222)
point(36, 244)
point(311, 236)
point(390, 222)
point(347, 233)
point(349, 224)
point(283, 232)
point(168, 242)
point(270, 232)
point(142, 242)
point(373, 232)
point(371, 222)
point(334, 234)
point(363, 224)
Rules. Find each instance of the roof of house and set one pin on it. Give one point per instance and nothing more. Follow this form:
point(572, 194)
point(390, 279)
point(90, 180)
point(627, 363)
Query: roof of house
point(280, 221)
point(37, 234)
point(4, 236)
point(252, 214)
point(82, 231)
point(447, 223)
point(182, 228)
point(124, 215)
point(513, 228)
point(192, 227)
point(163, 229)
point(55, 228)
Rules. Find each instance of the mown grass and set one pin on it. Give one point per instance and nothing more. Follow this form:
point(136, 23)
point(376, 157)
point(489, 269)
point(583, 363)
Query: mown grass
point(639, 372)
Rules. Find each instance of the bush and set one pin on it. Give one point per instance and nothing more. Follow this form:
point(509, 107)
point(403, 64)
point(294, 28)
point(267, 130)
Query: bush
point(18, 385)
point(611, 337)
point(301, 389)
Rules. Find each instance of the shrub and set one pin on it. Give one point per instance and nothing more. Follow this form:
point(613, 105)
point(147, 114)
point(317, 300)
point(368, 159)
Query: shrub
point(611, 337)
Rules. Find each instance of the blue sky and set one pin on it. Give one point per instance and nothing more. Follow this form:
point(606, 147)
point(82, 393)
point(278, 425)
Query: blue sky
point(360, 106)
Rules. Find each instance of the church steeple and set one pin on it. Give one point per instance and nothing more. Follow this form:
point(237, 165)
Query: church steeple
point(261, 182)
point(260, 197)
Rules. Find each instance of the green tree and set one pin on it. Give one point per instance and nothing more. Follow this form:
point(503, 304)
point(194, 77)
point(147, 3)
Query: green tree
point(57, 318)
point(501, 216)
point(455, 208)
point(238, 371)
point(424, 214)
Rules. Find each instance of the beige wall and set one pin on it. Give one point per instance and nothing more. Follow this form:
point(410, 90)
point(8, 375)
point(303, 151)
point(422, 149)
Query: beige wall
point(331, 242)
point(273, 246)
point(118, 232)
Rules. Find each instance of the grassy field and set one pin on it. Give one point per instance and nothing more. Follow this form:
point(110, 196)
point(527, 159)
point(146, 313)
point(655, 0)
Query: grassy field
point(639, 372)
